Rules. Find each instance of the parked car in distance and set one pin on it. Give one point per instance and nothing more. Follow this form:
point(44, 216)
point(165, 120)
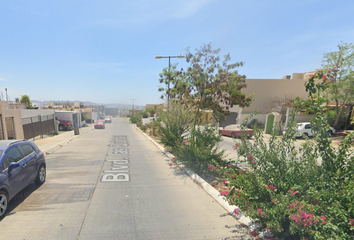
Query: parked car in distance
point(107, 120)
point(235, 130)
point(21, 163)
point(303, 129)
point(100, 124)
point(65, 125)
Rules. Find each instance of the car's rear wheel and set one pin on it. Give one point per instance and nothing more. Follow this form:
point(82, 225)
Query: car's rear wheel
point(41, 175)
point(305, 135)
point(3, 203)
point(61, 128)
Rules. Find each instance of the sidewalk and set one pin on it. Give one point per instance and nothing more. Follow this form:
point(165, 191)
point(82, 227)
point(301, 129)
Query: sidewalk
point(50, 144)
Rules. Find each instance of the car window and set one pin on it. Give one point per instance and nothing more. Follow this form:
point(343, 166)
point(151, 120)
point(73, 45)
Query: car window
point(308, 126)
point(26, 149)
point(13, 155)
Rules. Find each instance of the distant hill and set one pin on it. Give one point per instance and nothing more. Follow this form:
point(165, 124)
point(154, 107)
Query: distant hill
point(123, 106)
point(87, 103)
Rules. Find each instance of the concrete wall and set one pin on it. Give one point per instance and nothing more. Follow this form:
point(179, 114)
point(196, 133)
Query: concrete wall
point(16, 114)
point(11, 113)
point(267, 90)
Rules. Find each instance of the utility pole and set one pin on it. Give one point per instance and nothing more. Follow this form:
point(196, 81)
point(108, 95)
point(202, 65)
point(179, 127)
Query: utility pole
point(169, 75)
point(133, 105)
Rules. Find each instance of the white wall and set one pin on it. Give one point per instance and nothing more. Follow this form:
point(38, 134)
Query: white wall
point(25, 113)
point(64, 115)
point(262, 117)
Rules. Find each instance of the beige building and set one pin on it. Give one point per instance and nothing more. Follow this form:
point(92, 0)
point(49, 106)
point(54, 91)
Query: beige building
point(10, 122)
point(268, 91)
point(154, 106)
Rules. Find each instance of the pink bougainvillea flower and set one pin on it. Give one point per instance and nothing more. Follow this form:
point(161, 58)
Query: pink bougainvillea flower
point(265, 215)
point(271, 187)
point(323, 217)
point(170, 164)
point(259, 211)
point(236, 146)
point(324, 76)
point(254, 233)
point(224, 193)
point(236, 211)
point(351, 222)
point(225, 182)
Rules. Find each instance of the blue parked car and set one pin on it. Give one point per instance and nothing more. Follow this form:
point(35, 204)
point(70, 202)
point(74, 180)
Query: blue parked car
point(21, 163)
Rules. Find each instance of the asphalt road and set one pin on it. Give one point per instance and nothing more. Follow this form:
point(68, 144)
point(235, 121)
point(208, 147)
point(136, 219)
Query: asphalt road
point(115, 184)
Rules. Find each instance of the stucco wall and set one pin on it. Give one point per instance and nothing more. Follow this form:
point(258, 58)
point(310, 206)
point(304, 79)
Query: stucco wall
point(267, 90)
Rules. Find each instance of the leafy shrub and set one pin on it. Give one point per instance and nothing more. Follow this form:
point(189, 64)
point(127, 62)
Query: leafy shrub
point(198, 152)
point(286, 190)
point(255, 122)
point(143, 128)
point(136, 118)
point(170, 135)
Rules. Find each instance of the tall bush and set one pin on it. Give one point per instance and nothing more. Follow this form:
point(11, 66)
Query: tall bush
point(174, 124)
point(200, 149)
point(295, 192)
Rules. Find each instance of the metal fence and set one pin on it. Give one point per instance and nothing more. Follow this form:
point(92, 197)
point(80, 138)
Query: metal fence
point(38, 126)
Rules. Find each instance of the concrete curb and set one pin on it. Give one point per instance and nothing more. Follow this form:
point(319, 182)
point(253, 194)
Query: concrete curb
point(215, 194)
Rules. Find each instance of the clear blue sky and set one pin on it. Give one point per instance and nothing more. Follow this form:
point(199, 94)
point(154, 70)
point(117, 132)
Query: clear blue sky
point(104, 51)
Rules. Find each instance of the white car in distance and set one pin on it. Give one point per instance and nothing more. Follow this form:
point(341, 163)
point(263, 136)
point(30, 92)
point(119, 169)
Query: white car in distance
point(304, 129)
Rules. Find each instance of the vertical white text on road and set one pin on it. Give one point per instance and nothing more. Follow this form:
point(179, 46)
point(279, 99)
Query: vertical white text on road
point(119, 169)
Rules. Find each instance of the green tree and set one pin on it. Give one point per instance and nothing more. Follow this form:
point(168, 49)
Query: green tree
point(339, 71)
point(26, 99)
point(208, 83)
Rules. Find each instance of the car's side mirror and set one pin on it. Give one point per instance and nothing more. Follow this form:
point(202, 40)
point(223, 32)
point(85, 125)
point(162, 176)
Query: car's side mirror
point(12, 166)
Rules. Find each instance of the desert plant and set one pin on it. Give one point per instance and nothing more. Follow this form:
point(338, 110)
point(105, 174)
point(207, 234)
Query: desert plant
point(202, 149)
